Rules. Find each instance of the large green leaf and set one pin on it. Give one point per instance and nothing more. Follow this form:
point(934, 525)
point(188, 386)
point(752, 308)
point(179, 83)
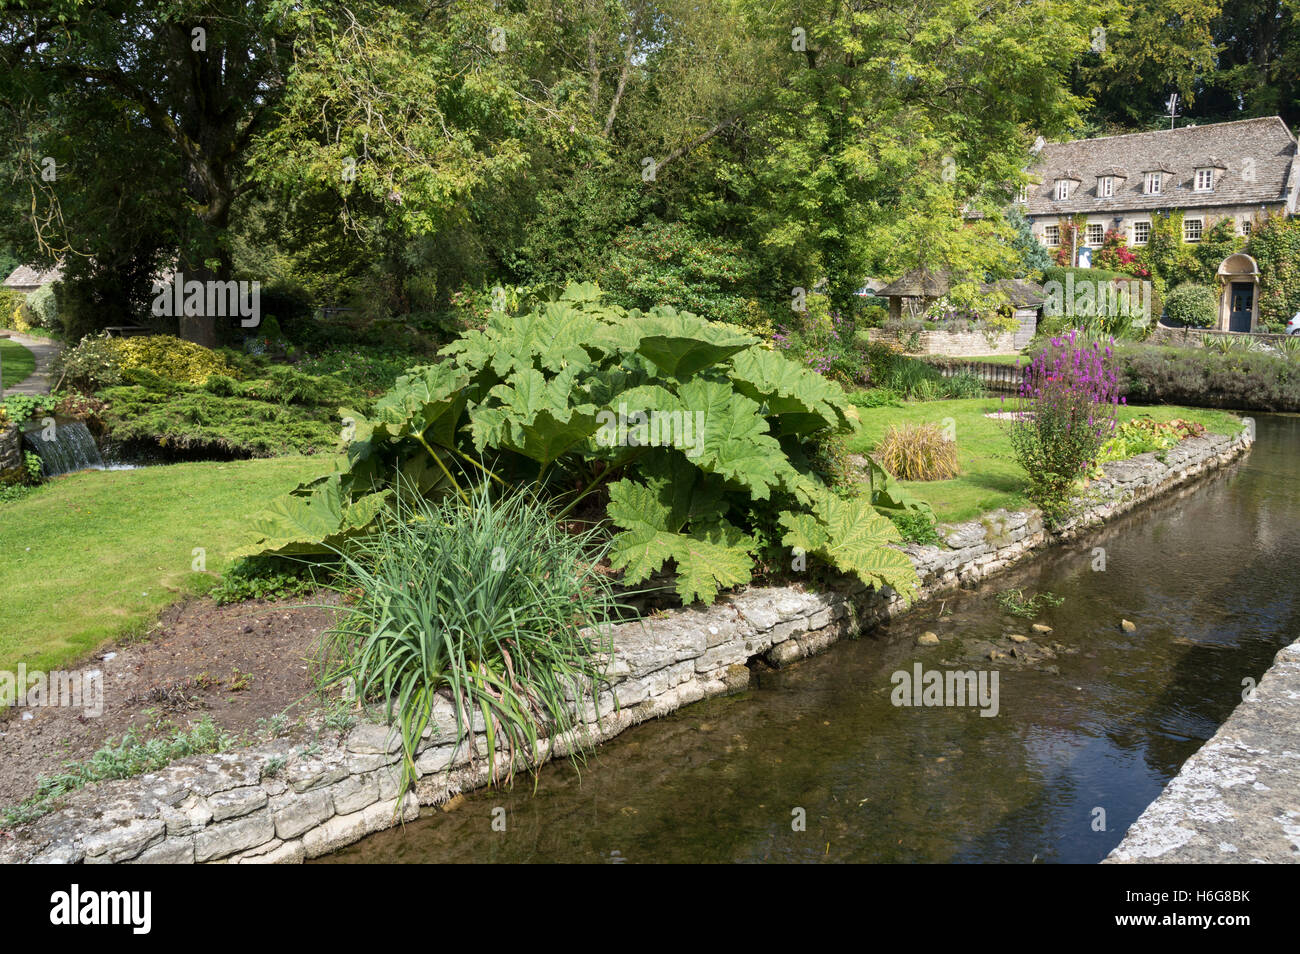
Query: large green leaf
point(682, 344)
point(800, 398)
point(534, 417)
point(853, 537)
point(676, 514)
point(316, 521)
point(427, 401)
point(735, 442)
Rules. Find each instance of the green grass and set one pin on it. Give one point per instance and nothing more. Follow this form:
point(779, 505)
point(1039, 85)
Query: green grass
point(93, 556)
point(990, 476)
point(16, 362)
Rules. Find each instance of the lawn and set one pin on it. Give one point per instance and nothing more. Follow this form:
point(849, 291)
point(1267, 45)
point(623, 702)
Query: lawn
point(990, 476)
point(16, 362)
point(96, 555)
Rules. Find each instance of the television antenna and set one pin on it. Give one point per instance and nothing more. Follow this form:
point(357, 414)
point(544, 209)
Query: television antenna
point(1171, 109)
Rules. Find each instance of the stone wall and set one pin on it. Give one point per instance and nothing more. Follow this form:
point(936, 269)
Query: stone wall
point(1234, 801)
point(281, 802)
point(960, 344)
point(11, 447)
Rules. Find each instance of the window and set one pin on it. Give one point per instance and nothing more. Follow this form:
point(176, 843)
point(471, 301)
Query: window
point(1204, 180)
point(1062, 188)
point(1106, 187)
point(1153, 183)
point(1141, 233)
point(1023, 195)
point(1245, 227)
point(1095, 235)
point(1192, 230)
point(1052, 234)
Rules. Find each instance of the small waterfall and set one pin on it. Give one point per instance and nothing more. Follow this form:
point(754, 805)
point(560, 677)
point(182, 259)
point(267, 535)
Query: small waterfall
point(72, 447)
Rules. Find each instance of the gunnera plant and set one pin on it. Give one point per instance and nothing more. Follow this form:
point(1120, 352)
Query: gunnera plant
point(488, 604)
point(918, 452)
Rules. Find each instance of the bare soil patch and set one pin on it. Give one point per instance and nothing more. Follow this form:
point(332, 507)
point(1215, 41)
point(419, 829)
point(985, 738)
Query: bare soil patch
point(237, 665)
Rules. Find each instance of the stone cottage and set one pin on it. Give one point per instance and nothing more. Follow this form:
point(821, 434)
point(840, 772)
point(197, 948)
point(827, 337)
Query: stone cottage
point(1241, 171)
point(910, 296)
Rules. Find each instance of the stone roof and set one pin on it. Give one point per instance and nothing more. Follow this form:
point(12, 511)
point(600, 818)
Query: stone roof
point(918, 283)
point(924, 283)
point(1255, 157)
point(28, 276)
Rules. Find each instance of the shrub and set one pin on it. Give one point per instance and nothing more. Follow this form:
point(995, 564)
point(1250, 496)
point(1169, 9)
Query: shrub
point(916, 527)
point(94, 363)
point(918, 452)
point(1191, 305)
point(43, 307)
point(171, 358)
point(671, 264)
point(267, 579)
point(1203, 377)
point(1066, 410)
point(489, 605)
point(675, 418)
point(1143, 435)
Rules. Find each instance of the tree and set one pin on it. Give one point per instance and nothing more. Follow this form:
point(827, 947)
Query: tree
point(146, 110)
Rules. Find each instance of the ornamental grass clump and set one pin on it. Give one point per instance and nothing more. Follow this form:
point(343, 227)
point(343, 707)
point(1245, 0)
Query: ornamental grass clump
point(1066, 410)
point(489, 605)
point(918, 452)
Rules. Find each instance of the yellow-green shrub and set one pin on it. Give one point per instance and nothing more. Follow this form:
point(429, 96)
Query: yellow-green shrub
point(170, 357)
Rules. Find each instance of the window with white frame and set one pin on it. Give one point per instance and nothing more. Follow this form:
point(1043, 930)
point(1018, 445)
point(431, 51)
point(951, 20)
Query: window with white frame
point(1023, 195)
point(1062, 188)
point(1141, 233)
point(1095, 234)
point(1153, 183)
point(1051, 235)
point(1245, 227)
point(1192, 230)
point(1204, 180)
point(1106, 187)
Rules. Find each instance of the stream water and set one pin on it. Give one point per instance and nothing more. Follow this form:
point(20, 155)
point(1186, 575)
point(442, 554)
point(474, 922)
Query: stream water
point(1208, 576)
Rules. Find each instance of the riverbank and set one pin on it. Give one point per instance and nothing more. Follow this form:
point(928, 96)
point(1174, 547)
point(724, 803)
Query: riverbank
point(1234, 801)
point(287, 802)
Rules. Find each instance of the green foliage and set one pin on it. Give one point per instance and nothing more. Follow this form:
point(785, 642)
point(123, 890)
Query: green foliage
point(267, 578)
point(1016, 603)
point(689, 425)
point(192, 420)
point(1033, 255)
point(1204, 377)
point(1275, 246)
point(91, 364)
point(1143, 435)
point(672, 264)
point(916, 527)
point(484, 606)
point(44, 309)
point(126, 757)
point(23, 407)
point(1193, 305)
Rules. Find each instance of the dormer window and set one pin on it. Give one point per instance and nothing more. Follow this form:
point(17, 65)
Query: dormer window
point(1154, 181)
point(1204, 180)
point(1062, 188)
point(1105, 187)
point(1023, 195)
